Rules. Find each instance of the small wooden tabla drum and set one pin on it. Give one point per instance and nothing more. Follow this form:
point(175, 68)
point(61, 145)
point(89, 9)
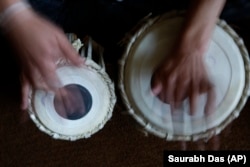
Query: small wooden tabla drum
point(227, 62)
point(91, 84)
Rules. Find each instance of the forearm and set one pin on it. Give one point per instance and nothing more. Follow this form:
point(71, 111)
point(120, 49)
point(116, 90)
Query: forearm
point(200, 22)
point(11, 11)
point(6, 3)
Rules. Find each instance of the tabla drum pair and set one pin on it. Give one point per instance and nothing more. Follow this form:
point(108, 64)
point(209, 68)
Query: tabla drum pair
point(227, 63)
point(90, 90)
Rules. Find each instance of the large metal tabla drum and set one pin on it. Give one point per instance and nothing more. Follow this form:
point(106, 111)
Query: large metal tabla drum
point(227, 62)
point(96, 89)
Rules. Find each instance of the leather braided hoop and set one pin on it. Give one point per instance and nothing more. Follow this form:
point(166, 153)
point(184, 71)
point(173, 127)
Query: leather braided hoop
point(131, 42)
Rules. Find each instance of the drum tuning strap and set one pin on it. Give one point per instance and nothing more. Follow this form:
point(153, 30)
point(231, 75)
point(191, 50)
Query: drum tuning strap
point(142, 131)
point(93, 51)
point(88, 48)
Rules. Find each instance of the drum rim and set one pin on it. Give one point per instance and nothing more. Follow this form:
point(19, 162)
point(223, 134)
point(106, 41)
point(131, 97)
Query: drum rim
point(145, 24)
point(112, 99)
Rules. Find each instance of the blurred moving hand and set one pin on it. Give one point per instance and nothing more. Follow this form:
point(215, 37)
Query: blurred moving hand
point(183, 73)
point(39, 44)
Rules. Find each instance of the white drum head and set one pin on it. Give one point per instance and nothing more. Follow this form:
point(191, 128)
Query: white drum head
point(226, 69)
point(95, 84)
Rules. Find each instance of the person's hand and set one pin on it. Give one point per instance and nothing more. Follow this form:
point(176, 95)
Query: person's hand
point(183, 75)
point(39, 44)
